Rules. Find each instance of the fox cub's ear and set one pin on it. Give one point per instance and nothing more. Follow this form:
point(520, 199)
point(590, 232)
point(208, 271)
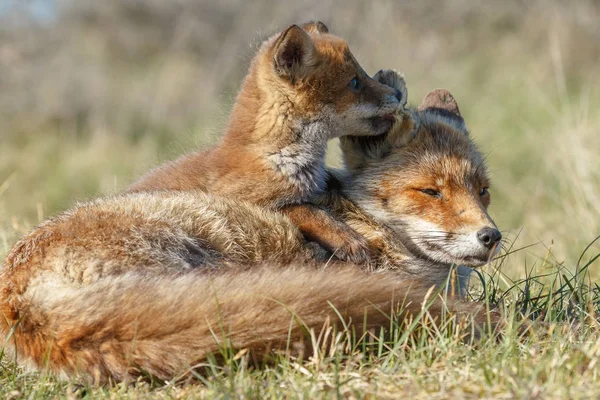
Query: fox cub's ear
point(441, 106)
point(315, 27)
point(294, 54)
point(393, 79)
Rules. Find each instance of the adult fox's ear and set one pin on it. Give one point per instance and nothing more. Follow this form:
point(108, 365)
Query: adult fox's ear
point(441, 99)
point(315, 27)
point(294, 53)
point(441, 105)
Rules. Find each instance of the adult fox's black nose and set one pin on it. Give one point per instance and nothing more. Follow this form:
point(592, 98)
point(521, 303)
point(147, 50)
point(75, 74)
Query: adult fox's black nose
point(489, 236)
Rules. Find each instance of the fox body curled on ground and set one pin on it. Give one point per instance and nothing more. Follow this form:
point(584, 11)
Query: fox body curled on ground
point(155, 282)
point(303, 88)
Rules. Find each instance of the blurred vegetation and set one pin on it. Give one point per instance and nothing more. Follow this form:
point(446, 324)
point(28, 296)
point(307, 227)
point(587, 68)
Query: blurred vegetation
point(93, 94)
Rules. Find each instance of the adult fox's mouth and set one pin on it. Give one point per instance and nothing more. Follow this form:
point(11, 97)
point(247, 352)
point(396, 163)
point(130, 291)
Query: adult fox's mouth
point(473, 259)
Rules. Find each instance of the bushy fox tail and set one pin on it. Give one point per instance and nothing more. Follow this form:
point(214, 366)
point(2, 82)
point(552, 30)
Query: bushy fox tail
point(162, 325)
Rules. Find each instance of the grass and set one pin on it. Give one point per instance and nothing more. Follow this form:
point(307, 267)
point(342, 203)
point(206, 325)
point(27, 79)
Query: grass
point(92, 100)
point(558, 358)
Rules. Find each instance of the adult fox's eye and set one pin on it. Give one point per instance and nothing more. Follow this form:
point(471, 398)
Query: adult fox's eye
point(483, 191)
point(354, 84)
point(431, 192)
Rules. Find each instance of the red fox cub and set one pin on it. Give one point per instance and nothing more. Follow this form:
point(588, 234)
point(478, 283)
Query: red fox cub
point(154, 282)
point(303, 88)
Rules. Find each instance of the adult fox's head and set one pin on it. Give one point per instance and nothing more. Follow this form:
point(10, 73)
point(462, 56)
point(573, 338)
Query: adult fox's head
point(427, 181)
point(306, 75)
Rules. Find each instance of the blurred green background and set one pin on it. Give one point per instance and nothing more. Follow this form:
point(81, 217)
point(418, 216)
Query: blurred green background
point(93, 94)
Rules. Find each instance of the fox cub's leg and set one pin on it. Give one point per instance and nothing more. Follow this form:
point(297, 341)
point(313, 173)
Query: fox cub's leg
point(405, 130)
point(319, 226)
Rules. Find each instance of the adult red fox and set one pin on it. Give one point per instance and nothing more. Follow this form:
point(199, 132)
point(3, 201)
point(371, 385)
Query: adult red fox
point(155, 282)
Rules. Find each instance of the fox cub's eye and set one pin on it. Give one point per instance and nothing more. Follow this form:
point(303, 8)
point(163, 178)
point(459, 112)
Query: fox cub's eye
point(354, 84)
point(431, 192)
point(483, 191)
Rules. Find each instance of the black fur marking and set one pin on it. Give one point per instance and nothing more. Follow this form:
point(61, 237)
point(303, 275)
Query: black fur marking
point(332, 183)
point(199, 254)
point(445, 114)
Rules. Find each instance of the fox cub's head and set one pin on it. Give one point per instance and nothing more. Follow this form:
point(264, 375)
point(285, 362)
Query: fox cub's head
point(310, 75)
point(428, 181)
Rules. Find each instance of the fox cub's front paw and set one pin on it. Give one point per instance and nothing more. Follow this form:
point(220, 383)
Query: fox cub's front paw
point(355, 249)
point(394, 79)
